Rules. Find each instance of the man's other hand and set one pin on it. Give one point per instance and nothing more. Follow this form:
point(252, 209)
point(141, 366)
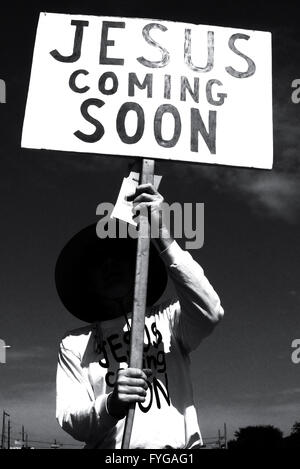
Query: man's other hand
point(130, 387)
point(148, 201)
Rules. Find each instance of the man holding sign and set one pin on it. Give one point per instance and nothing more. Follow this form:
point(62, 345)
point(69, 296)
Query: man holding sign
point(94, 384)
point(149, 89)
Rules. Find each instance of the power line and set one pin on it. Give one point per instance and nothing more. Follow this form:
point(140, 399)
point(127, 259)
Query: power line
point(51, 442)
point(219, 440)
point(9, 433)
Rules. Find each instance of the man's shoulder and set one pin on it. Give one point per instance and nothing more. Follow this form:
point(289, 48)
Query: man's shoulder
point(163, 311)
point(77, 339)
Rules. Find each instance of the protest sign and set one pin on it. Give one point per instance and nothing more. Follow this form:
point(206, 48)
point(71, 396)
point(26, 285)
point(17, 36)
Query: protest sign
point(151, 88)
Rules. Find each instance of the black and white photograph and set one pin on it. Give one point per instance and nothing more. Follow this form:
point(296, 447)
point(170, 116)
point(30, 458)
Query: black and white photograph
point(150, 228)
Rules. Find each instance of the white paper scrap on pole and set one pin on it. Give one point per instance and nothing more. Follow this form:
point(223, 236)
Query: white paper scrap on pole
point(123, 208)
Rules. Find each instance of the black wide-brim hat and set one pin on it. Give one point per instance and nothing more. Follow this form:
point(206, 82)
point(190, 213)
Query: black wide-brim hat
point(77, 263)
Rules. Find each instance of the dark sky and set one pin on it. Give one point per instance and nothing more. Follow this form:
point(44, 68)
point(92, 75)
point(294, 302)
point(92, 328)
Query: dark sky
point(243, 373)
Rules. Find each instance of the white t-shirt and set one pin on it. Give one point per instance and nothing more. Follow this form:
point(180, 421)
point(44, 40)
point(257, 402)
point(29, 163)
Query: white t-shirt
point(89, 358)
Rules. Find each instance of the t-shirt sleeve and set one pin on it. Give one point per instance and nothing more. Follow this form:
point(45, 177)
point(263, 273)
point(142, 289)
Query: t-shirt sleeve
point(198, 309)
point(77, 410)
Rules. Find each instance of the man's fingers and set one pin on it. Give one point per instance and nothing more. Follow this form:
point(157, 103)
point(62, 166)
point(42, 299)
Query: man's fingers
point(134, 382)
point(142, 207)
point(127, 389)
point(149, 188)
point(146, 188)
point(144, 197)
point(132, 398)
point(134, 373)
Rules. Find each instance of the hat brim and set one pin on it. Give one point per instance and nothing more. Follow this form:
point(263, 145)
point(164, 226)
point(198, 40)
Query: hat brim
point(77, 263)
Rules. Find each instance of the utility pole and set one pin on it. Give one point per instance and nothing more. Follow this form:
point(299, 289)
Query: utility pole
point(8, 434)
point(225, 435)
point(3, 430)
point(55, 445)
point(5, 414)
point(26, 440)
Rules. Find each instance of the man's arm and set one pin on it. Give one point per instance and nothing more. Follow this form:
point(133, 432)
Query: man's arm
point(198, 310)
point(78, 412)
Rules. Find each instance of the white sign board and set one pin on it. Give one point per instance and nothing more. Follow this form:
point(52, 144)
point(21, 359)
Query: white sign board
point(151, 88)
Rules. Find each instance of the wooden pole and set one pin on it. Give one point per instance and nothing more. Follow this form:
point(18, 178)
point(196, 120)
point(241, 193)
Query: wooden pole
point(140, 293)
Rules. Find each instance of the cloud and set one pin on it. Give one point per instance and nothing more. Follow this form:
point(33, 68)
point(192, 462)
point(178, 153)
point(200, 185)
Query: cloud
point(28, 391)
point(277, 193)
point(274, 193)
point(289, 392)
point(260, 395)
point(29, 353)
point(283, 409)
point(27, 359)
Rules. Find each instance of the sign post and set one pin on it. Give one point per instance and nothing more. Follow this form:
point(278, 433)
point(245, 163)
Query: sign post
point(140, 296)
